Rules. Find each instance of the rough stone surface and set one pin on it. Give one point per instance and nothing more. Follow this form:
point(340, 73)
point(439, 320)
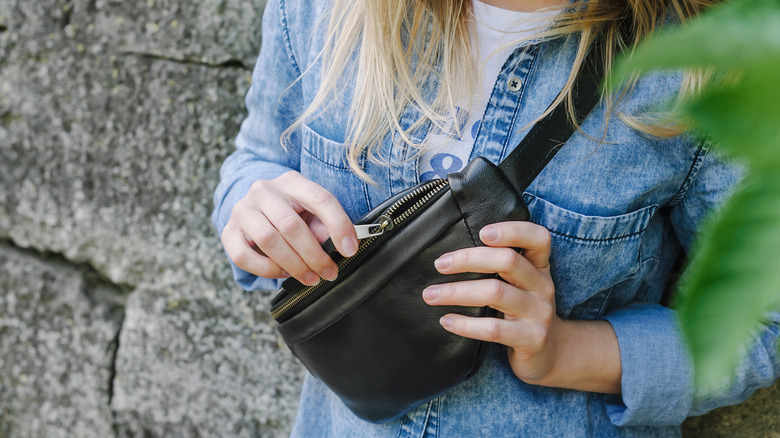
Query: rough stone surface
point(114, 119)
point(111, 145)
point(188, 366)
point(58, 329)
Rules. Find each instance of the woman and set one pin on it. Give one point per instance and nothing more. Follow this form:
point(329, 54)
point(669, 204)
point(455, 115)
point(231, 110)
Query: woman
point(345, 113)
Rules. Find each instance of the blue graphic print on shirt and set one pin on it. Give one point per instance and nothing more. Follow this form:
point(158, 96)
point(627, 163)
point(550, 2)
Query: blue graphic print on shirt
point(458, 148)
point(439, 170)
point(475, 129)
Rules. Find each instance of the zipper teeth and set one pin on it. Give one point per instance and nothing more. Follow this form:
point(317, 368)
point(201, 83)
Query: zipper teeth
point(434, 187)
point(418, 204)
point(436, 184)
point(300, 296)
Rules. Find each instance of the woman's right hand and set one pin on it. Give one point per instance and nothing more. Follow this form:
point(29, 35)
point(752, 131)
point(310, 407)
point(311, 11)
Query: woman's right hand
point(276, 230)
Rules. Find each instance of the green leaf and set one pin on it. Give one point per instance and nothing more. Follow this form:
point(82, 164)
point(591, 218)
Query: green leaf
point(743, 117)
point(734, 280)
point(732, 36)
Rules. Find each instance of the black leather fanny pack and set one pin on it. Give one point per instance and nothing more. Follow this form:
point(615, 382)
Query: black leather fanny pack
point(369, 336)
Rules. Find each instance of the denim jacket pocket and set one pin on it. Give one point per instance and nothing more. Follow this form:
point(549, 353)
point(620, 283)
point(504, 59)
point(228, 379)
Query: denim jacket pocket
point(589, 254)
point(322, 149)
point(324, 161)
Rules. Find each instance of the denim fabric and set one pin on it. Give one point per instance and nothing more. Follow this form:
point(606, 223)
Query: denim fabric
point(621, 213)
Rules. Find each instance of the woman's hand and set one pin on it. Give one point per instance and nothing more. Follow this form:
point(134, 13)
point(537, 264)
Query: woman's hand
point(526, 297)
point(543, 349)
point(276, 230)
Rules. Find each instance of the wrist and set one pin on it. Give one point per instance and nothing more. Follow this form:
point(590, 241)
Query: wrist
point(584, 356)
point(554, 373)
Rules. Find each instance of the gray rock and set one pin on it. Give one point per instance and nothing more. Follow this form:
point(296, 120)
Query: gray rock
point(58, 330)
point(114, 120)
point(198, 363)
point(111, 151)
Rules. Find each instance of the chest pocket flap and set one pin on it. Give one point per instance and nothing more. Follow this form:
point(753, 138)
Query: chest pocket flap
point(590, 254)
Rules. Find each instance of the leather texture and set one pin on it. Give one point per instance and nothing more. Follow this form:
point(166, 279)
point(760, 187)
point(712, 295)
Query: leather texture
point(369, 336)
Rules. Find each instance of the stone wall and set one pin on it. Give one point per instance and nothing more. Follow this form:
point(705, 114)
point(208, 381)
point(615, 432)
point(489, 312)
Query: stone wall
point(117, 312)
point(118, 316)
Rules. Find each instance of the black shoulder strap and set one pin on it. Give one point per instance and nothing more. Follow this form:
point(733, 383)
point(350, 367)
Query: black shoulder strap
point(548, 135)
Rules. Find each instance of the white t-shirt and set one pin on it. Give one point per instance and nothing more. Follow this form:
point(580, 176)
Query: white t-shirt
point(495, 28)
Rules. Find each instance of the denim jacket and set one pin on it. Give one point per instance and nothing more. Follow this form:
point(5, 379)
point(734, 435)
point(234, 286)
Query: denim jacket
point(621, 212)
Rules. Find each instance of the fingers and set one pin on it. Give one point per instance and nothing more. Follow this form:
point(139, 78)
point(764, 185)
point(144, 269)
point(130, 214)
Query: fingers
point(526, 298)
point(507, 299)
point(317, 228)
point(285, 237)
point(278, 247)
point(278, 227)
point(246, 257)
point(529, 270)
point(533, 238)
point(326, 207)
point(516, 334)
point(506, 262)
point(526, 316)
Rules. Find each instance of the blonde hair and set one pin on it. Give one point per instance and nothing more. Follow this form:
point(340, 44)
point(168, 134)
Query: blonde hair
point(402, 44)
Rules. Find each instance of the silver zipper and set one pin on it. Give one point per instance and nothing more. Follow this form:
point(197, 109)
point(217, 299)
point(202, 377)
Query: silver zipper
point(385, 223)
point(371, 232)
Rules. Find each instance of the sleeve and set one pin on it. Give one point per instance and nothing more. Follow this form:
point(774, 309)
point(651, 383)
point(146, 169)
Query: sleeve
point(657, 380)
point(273, 101)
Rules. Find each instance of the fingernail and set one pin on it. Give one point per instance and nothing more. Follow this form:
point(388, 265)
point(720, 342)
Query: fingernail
point(311, 278)
point(489, 234)
point(349, 246)
point(431, 293)
point(446, 321)
point(329, 274)
point(443, 262)
point(285, 274)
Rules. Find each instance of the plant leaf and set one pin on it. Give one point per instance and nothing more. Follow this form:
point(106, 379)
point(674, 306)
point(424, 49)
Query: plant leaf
point(734, 280)
point(743, 117)
point(732, 36)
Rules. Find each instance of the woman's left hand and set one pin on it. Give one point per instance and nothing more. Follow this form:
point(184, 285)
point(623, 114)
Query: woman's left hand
point(526, 297)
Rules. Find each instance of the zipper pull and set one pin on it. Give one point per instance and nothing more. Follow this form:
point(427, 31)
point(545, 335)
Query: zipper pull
point(368, 230)
point(373, 230)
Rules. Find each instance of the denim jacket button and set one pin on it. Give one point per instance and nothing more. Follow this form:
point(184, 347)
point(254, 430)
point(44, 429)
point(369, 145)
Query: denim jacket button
point(514, 84)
